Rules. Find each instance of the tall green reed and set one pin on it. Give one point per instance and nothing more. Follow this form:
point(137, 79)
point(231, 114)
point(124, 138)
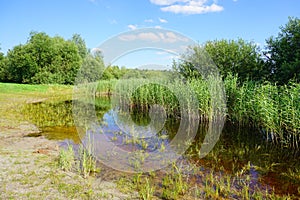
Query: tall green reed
point(273, 109)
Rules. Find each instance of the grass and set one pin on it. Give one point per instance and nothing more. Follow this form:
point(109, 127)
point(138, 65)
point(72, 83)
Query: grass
point(13, 88)
point(84, 163)
point(209, 184)
point(66, 158)
point(21, 88)
point(14, 96)
point(174, 185)
point(87, 163)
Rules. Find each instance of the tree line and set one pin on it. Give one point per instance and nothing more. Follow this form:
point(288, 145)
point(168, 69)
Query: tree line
point(54, 60)
point(279, 62)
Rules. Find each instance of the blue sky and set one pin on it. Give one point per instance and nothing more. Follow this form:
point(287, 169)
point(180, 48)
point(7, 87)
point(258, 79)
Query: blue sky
point(98, 20)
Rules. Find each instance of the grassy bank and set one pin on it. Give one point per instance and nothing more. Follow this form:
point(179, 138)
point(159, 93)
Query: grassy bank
point(27, 88)
point(14, 96)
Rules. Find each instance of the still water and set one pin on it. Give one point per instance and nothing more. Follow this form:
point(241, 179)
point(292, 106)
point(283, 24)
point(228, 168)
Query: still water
point(270, 166)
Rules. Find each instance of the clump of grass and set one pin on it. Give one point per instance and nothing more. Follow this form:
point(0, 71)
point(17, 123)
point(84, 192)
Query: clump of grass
point(87, 162)
point(144, 186)
point(66, 158)
point(174, 184)
point(146, 192)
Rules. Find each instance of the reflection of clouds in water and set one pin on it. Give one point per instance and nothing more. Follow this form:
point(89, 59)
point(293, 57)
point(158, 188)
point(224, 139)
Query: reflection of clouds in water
point(124, 121)
point(150, 135)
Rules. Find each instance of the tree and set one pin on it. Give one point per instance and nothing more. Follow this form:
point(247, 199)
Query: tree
point(44, 60)
point(283, 53)
point(236, 57)
point(3, 75)
point(21, 65)
point(80, 43)
point(230, 56)
point(91, 69)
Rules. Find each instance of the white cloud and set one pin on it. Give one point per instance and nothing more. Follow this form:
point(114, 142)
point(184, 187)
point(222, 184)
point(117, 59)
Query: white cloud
point(162, 20)
point(113, 21)
point(166, 2)
point(149, 20)
point(132, 27)
point(188, 6)
point(158, 27)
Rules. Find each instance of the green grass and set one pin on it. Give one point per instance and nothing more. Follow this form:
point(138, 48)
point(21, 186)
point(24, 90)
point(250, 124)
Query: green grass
point(66, 158)
point(18, 88)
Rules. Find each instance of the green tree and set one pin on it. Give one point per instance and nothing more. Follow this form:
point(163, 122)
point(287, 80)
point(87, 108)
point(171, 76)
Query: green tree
point(80, 43)
point(44, 60)
point(283, 53)
point(236, 57)
point(3, 75)
point(20, 66)
point(91, 69)
point(230, 56)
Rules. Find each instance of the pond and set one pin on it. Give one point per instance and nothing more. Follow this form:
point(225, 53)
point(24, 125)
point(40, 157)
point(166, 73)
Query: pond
point(269, 165)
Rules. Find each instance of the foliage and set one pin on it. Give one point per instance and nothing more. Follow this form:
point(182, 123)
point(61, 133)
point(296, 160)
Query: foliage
point(236, 57)
point(91, 70)
point(113, 72)
point(283, 53)
point(2, 66)
point(43, 60)
point(230, 56)
point(80, 43)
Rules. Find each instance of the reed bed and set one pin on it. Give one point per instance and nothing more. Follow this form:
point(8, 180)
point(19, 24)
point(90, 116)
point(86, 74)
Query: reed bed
point(274, 110)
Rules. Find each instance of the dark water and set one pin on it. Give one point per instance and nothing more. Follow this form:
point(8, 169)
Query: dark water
point(270, 166)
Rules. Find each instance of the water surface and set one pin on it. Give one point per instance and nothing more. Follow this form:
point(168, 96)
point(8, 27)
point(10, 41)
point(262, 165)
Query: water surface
point(271, 166)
